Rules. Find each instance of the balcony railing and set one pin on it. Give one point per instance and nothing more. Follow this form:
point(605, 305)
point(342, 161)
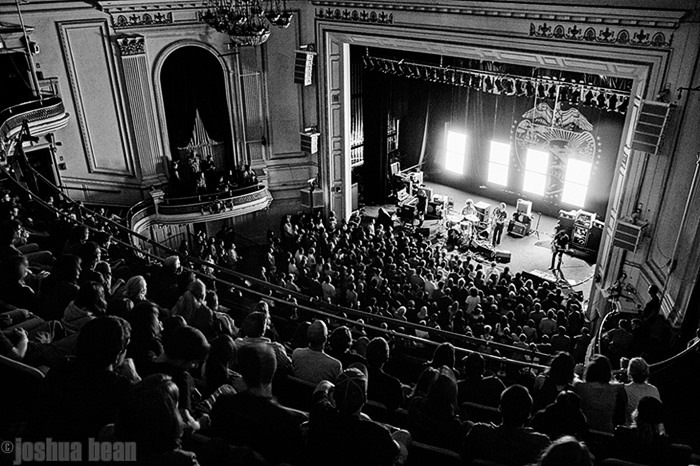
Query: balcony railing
point(216, 206)
point(44, 116)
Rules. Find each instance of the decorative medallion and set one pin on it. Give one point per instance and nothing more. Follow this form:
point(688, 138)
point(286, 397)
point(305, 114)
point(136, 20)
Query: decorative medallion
point(640, 38)
point(142, 19)
point(362, 16)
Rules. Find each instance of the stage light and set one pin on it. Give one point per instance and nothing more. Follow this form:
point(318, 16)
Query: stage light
point(622, 103)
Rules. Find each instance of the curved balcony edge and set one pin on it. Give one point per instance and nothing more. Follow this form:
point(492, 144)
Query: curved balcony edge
point(43, 118)
point(147, 213)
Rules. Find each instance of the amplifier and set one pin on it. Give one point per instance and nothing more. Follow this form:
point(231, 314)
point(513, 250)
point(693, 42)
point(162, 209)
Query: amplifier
point(518, 229)
point(502, 256)
point(483, 248)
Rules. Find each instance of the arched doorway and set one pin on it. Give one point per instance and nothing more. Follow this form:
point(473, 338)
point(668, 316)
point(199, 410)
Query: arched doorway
point(196, 112)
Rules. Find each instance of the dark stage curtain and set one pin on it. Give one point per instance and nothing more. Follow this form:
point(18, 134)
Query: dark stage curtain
point(192, 79)
point(585, 133)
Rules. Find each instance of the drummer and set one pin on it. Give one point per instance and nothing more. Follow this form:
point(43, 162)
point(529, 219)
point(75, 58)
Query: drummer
point(469, 209)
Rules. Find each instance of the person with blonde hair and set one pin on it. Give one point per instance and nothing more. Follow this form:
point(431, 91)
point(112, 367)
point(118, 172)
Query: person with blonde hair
point(638, 387)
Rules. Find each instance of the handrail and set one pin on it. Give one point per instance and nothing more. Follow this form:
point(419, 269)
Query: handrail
point(661, 365)
point(50, 100)
point(209, 197)
point(599, 333)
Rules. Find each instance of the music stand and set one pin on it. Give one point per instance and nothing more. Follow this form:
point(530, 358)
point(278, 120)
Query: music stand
point(537, 228)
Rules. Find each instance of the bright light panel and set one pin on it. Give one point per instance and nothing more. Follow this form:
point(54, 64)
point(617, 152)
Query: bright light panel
point(578, 174)
point(578, 171)
point(500, 153)
point(454, 162)
point(537, 161)
point(456, 142)
point(574, 194)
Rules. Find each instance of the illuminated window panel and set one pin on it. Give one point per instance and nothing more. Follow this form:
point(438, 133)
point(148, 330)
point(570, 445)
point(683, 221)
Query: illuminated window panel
point(454, 157)
point(498, 163)
point(578, 174)
point(536, 164)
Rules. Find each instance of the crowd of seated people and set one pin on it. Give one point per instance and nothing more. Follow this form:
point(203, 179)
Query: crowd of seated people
point(189, 385)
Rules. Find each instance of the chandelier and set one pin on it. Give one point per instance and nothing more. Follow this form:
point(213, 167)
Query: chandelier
point(246, 22)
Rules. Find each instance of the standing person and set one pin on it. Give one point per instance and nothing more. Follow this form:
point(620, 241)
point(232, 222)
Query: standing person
point(499, 218)
point(652, 307)
point(560, 242)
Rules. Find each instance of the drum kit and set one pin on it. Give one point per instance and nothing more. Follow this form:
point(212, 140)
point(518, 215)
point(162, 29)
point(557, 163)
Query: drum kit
point(462, 229)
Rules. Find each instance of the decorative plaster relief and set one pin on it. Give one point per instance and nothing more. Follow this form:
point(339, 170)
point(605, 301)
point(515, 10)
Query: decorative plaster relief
point(131, 45)
point(641, 38)
point(362, 16)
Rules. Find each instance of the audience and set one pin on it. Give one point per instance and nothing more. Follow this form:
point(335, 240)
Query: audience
point(602, 402)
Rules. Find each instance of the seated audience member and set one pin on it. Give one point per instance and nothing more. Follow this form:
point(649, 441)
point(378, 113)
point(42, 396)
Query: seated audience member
point(562, 417)
point(618, 340)
point(254, 327)
point(559, 376)
point(88, 304)
point(111, 285)
point(312, 363)
point(339, 347)
point(638, 387)
point(646, 442)
point(145, 345)
point(475, 388)
point(566, 451)
point(436, 420)
point(339, 433)
point(59, 288)
point(14, 291)
point(47, 345)
point(89, 254)
point(191, 306)
point(218, 369)
point(253, 417)
point(444, 355)
point(81, 396)
point(382, 387)
point(164, 282)
point(150, 417)
point(420, 390)
point(79, 234)
point(602, 403)
point(561, 341)
point(510, 443)
point(135, 289)
point(184, 349)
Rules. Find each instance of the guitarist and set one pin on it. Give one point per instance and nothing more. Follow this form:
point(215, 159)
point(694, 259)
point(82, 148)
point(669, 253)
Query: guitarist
point(560, 243)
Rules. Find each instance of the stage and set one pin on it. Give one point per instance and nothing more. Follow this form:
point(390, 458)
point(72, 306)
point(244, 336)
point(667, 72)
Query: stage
point(530, 253)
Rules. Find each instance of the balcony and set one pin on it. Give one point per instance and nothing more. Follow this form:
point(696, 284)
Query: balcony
point(196, 209)
point(44, 115)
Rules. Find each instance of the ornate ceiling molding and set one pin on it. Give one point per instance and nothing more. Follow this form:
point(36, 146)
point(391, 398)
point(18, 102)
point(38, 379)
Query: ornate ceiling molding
point(617, 36)
point(362, 16)
point(148, 14)
point(626, 18)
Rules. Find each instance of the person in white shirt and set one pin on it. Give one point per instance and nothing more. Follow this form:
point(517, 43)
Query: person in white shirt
point(313, 364)
point(638, 388)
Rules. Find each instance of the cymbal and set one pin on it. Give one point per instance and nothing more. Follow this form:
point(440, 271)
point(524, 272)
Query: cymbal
point(471, 218)
point(455, 218)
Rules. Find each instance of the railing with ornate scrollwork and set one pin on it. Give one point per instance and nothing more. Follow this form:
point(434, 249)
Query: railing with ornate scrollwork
point(47, 114)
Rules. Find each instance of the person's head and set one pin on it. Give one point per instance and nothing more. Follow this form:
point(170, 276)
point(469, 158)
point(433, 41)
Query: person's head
point(14, 268)
point(144, 321)
point(425, 381)
point(650, 411)
point(171, 264)
point(66, 268)
point(186, 347)
point(377, 352)
point(102, 342)
point(653, 290)
point(91, 297)
point(444, 355)
point(149, 415)
point(561, 370)
point(566, 451)
point(222, 351)
point(255, 325)
point(598, 370)
point(515, 406)
point(350, 392)
point(79, 234)
point(90, 254)
point(257, 364)
point(442, 395)
point(136, 288)
point(638, 370)
point(198, 289)
point(340, 339)
point(317, 334)
point(9, 231)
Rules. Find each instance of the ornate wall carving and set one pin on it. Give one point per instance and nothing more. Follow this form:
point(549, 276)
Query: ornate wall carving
point(617, 36)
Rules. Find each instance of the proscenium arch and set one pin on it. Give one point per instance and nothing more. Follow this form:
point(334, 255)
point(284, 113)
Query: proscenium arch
point(645, 67)
point(158, 90)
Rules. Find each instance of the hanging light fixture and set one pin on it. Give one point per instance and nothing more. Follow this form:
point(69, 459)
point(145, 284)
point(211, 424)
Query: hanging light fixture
point(246, 22)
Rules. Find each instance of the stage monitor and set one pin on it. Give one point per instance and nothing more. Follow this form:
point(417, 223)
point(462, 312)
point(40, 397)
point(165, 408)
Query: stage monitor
point(395, 168)
point(524, 207)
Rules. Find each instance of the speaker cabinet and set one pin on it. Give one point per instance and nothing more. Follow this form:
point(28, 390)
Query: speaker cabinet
point(311, 199)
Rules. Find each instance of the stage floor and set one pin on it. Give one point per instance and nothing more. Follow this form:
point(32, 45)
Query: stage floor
point(531, 253)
